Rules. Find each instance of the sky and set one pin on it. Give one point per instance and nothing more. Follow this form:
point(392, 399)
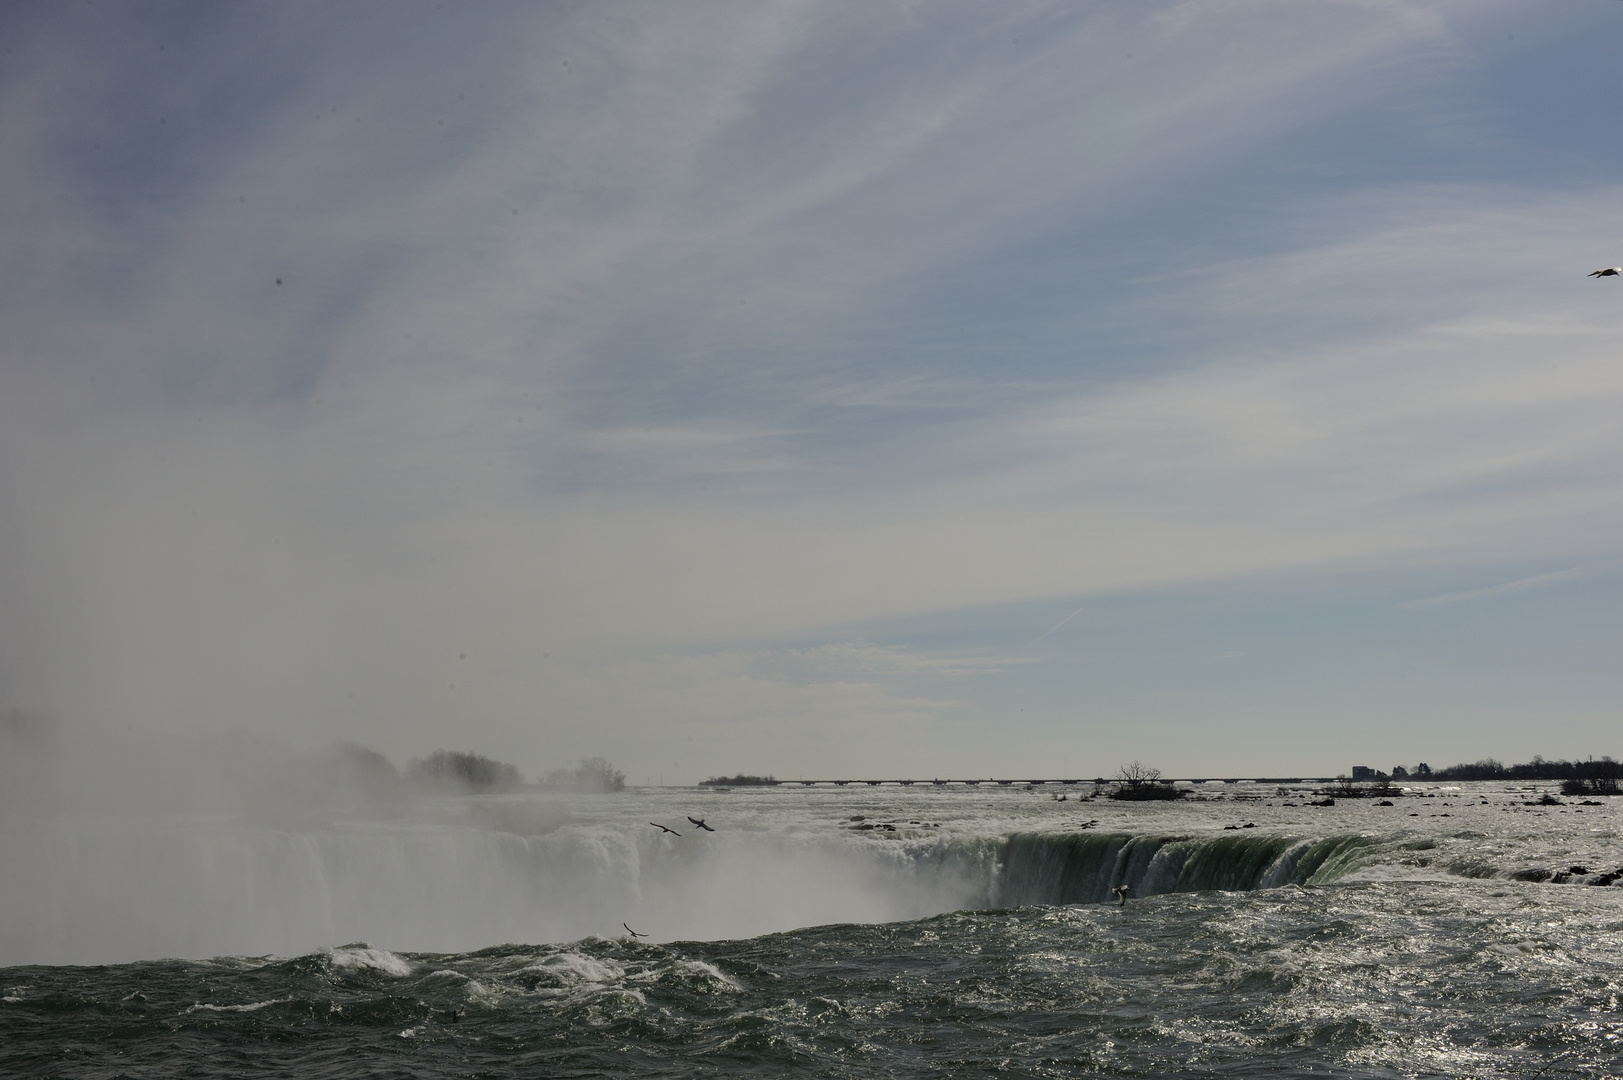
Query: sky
point(912, 389)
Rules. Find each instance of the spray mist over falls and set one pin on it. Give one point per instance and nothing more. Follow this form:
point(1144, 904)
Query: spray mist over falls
point(138, 849)
point(82, 890)
point(124, 849)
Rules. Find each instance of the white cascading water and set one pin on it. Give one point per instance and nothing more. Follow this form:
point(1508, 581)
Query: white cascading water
point(101, 890)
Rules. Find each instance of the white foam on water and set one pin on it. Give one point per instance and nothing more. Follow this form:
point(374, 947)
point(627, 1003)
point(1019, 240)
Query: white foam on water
point(472, 989)
point(254, 1007)
point(689, 971)
point(710, 971)
point(706, 973)
point(367, 957)
point(570, 967)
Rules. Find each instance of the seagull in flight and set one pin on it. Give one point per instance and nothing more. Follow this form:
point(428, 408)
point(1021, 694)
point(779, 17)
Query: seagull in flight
point(700, 823)
point(1122, 891)
point(632, 932)
point(1610, 271)
point(657, 825)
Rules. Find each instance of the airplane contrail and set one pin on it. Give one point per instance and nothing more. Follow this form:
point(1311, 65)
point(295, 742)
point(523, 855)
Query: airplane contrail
point(1057, 625)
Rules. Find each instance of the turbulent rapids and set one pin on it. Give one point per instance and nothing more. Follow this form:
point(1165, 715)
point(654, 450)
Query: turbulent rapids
point(899, 933)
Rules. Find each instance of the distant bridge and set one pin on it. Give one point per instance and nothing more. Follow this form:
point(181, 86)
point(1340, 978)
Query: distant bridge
point(1068, 782)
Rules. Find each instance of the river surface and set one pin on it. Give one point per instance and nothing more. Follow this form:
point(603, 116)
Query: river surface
point(1464, 930)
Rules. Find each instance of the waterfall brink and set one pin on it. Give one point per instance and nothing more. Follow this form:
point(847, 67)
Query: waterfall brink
point(480, 872)
point(1083, 868)
point(97, 890)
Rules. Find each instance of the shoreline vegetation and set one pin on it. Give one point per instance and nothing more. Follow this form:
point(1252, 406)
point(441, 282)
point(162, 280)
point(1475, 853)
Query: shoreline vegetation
point(741, 780)
point(1602, 776)
point(450, 771)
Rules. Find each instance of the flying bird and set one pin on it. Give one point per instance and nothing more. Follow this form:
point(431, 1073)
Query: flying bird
point(632, 932)
point(1610, 271)
point(1122, 891)
point(657, 825)
point(700, 823)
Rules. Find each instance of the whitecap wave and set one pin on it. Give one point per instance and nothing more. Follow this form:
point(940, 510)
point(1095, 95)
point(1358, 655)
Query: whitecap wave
point(251, 1007)
point(366, 957)
point(571, 967)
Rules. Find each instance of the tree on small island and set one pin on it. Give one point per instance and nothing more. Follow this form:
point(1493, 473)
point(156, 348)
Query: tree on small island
point(741, 780)
point(1137, 782)
point(447, 769)
point(1345, 788)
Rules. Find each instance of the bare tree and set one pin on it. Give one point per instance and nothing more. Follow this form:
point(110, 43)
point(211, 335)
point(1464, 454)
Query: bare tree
point(1139, 782)
point(1137, 774)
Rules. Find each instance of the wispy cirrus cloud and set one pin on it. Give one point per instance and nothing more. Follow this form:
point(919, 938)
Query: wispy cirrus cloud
point(335, 347)
point(1537, 581)
point(861, 658)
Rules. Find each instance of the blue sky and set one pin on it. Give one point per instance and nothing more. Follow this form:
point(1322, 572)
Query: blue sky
point(895, 388)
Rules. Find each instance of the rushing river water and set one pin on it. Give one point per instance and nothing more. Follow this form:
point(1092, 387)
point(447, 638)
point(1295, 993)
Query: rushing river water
point(1461, 931)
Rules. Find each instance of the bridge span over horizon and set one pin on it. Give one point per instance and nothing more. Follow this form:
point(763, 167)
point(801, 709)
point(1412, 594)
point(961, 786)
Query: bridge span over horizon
point(1100, 781)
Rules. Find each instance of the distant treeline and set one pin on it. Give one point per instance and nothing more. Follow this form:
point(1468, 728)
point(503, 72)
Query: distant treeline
point(1538, 769)
point(740, 781)
point(452, 770)
point(448, 768)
